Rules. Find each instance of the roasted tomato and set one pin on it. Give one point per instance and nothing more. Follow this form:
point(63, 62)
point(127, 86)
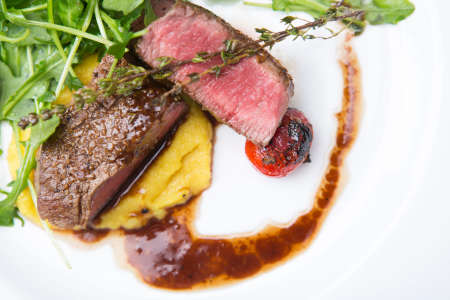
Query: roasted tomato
point(288, 149)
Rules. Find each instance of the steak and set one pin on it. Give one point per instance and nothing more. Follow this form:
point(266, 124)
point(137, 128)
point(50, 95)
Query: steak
point(251, 96)
point(98, 148)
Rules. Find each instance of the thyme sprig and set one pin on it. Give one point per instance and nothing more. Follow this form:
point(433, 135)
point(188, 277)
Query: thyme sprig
point(46, 114)
point(235, 50)
point(122, 81)
point(127, 79)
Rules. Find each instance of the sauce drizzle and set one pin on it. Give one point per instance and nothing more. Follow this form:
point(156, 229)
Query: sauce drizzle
point(168, 253)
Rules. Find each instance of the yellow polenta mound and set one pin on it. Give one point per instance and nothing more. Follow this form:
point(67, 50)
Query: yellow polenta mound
point(182, 171)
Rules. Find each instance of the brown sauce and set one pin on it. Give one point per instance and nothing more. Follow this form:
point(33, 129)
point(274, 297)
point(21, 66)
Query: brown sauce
point(127, 186)
point(169, 254)
point(91, 235)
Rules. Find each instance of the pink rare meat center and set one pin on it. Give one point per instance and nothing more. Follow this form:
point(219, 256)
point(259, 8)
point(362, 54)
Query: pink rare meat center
point(250, 96)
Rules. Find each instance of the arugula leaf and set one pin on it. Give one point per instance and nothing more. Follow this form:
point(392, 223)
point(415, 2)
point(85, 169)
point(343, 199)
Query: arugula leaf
point(120, 30)
point(8, 83)
point(315, 8)
point(73, 83)
point(35, 85)
point(21, 4)
point(388, 11)
point(22, 109)
point(39, 134)
point(43, 130)
point(124, 6)
point(47, 97)
point(13, 39)
point(15, 58)
point(150, 15)
point(87, 17)
point(128, 19)
point(69, 12)
point(36, 35)
point(17, 17)
point(377, 11)
point(27, 106)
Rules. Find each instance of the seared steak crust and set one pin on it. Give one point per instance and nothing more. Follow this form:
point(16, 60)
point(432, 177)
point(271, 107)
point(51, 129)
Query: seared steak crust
point(96, 149)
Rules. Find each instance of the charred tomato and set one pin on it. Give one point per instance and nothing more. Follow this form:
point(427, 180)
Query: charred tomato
point(288, 148)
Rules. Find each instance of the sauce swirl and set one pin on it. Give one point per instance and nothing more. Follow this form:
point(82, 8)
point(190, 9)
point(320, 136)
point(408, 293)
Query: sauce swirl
point(169, 254)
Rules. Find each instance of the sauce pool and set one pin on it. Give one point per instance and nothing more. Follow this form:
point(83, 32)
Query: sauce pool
point(168, 254)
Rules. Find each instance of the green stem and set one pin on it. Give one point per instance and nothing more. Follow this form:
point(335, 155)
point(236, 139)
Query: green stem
point(71, 31)
point(55, 37)
point(299, 5)
point(87, 21)
point(111, 24)
point(37, 106)
point(3, 6)
point(4, 38)
point(17, 141)
point(100, 25)
point(14, 99)
point(22, 21)
point(30, 60)
point(265, 5)
point(138, 34)
point(113, 67)
point(25, 168)
point(34, 8)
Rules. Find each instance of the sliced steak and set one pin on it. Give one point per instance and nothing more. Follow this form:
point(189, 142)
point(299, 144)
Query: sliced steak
point(251, 96)
point(96, 149)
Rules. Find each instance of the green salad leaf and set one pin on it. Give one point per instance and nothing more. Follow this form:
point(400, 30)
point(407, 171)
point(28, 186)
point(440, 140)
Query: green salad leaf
point(150, 15)
point(42, 131)
point(22, 3)
point(15, 58)
point(22, 109)
point(376, 11)
point(387, 11)
point(36, 84)
point(124, 6)
point(69, 12)
point(315, 8)
point(8, 83)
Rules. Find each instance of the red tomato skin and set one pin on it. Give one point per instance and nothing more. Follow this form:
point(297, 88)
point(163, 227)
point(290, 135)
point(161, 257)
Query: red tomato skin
point(287, 150)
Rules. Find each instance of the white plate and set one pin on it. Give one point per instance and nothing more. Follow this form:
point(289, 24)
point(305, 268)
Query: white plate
point(387, 236)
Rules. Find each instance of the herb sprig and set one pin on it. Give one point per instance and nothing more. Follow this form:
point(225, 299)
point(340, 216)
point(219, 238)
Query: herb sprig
point(235, 51)
point(376, 11)
point(354, 14)
point(127, 79)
